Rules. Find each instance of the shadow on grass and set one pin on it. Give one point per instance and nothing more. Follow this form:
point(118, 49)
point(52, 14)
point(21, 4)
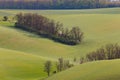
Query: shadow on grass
point(34, 34)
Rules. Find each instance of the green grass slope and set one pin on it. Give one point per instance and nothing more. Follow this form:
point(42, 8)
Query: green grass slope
point(16, 65)
point(24, 53)
point(22, 41)
point(101, 70)
point(99, 29)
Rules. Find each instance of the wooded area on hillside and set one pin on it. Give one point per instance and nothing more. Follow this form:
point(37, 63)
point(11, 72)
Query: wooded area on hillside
point(49, 28)
point(57, 4)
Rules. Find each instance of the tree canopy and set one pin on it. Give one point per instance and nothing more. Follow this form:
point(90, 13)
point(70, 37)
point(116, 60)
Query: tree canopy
point(49, 28)
point(57, 4)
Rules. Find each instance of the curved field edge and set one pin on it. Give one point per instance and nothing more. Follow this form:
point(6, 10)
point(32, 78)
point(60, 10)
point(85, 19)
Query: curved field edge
point(100, 70)
point(15, 65)
point(10, 12)
point(19, 40)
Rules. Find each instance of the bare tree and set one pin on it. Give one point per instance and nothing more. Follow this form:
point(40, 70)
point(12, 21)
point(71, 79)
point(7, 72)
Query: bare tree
point(47, 67)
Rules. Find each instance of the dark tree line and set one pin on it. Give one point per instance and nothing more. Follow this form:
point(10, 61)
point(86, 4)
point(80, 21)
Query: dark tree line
point(49, 28)
point(108, 52)
point(57, 4)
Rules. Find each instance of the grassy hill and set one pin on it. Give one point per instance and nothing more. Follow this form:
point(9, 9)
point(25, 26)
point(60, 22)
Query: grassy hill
point(100, 70)
point(16, 65)
point(22, 41)
point(22, 54)
point(99, 29)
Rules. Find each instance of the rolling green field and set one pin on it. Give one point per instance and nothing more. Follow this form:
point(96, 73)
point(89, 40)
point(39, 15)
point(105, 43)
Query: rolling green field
point(101, 70)
point(99, 29)
point(16, 65)
point(26, 52)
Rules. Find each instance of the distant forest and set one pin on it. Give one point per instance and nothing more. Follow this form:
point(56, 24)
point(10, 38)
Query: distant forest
point(57, 4)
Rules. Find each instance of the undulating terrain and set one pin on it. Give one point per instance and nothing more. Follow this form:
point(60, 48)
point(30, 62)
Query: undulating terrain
point(102, 70)
point(22, 54)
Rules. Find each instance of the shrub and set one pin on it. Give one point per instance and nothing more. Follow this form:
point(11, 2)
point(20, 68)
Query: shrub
point(5, 18)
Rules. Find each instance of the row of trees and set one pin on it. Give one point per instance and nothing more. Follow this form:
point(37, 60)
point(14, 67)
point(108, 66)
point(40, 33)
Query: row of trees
point(108, 52)
point(49, 28)
point(60, 66)
point(56, 4)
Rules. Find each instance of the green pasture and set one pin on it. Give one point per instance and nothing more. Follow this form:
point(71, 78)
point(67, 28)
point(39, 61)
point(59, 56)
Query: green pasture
point(22, 54)
point(100, 28)
point(16, 65)
point(100, 70)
